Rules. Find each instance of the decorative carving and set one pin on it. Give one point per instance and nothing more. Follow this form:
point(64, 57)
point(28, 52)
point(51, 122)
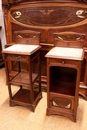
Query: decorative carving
point(80, 13)
point(70, 36)
point(46, 12)
point(17, 14)
point(61, 102)
point(8, 5)
point(45, 16)
point(84, 1)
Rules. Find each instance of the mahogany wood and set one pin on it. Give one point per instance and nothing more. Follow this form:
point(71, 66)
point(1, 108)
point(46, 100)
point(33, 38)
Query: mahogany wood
point(28, 82)
point(47, 17)
point(63, 79)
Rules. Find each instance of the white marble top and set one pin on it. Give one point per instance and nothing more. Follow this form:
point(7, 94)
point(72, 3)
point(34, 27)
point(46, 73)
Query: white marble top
point(21, 49)
point(65, 53)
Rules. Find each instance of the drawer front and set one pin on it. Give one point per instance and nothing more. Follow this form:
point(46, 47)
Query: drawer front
point(65, 62)
point(15, 57)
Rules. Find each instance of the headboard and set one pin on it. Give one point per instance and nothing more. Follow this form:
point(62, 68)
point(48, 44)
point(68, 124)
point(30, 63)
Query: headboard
point(46, 17)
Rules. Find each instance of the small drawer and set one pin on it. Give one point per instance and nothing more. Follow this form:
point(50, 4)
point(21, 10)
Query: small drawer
point(15, 57)
point(65, 62)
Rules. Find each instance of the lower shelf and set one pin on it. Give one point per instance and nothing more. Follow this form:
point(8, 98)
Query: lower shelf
point(22, 98)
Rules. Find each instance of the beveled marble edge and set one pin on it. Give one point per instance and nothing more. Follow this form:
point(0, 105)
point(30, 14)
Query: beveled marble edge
point(21, 49)
point(66, 53)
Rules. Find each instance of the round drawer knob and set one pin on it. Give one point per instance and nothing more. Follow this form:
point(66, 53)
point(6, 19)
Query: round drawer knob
point(63, 62)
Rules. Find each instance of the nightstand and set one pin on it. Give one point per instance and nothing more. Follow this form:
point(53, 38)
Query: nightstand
point(63, 79)
point(28, 82)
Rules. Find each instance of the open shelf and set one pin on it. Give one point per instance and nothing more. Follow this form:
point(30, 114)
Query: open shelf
point(23, 96)
point(63, 80)
point(22, 78)
point(67, 88)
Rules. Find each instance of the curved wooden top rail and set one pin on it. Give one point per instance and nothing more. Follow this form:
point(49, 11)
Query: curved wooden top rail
point(10, 3)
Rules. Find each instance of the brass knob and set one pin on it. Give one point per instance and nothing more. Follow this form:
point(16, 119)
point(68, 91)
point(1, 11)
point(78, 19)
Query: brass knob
point(63, 62)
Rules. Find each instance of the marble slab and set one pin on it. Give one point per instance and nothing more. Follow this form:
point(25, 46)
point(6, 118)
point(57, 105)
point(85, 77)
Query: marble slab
point(66, 53)
point(21, 49)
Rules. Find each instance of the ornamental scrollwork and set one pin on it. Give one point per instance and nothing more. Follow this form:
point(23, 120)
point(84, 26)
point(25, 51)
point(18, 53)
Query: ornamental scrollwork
point(50, 15)
point(84, 1)
point(8, 5)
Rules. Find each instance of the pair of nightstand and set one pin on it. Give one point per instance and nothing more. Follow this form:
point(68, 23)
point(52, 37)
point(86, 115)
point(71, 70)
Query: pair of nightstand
point(63, 74)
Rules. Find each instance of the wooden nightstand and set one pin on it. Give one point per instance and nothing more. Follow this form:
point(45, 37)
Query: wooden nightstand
point(29, 82)
point(63, 79)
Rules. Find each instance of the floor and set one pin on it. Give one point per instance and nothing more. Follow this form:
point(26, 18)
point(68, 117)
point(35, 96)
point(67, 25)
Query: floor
point(20, 118)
